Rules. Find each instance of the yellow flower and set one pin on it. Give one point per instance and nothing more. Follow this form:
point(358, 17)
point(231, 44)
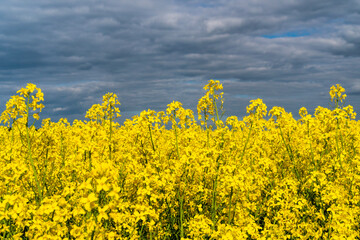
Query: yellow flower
point(336, 94)
point(89, 201)
point(102, 214)
point(78, 211)
point(36, 116)
point(102, 184)
point(257, 108)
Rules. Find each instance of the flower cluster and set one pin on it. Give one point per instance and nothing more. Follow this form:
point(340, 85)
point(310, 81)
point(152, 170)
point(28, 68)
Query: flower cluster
point(336, 94)
point(21, 105)
point(208, 104)
point(249, 178)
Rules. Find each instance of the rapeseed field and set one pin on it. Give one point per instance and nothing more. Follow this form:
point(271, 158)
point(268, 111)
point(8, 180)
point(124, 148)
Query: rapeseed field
point(166, 175)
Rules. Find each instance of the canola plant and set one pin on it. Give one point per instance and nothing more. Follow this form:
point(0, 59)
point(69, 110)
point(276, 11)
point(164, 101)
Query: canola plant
point(166, 175)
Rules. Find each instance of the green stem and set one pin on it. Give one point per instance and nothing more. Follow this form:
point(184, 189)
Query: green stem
point(12, 141)
point(39, 199)
point(110, 135)
point(247, 140)
point(62, 149)
point(213, 202)
point(176, 137)
point(152, 142)
point(291, 156)
point(337, 142)
point(229, 211)
point(207, 129)
point(216, 110)
point(181, 203)
point(90, 163)
point(311, 149)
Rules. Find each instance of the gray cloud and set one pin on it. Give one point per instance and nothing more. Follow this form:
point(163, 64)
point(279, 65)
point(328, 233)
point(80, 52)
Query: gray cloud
point(153, 52)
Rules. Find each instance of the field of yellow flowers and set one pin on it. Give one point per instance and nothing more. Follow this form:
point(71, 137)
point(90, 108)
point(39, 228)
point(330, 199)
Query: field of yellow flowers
point(165, 175)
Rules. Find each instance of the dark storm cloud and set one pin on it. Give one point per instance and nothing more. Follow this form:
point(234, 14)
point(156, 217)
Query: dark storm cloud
point(153, 52)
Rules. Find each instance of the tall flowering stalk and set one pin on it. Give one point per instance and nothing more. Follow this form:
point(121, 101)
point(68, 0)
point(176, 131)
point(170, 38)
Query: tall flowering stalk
point(176, 111)
point(338, 98)
point(208, 105)
point(105, 114)
point(23, 107)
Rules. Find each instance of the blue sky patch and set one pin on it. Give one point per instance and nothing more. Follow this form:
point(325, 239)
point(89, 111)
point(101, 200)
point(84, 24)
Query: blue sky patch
point(301, 33)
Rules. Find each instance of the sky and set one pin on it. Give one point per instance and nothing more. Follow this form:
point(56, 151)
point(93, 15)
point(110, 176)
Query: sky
point(150, 53)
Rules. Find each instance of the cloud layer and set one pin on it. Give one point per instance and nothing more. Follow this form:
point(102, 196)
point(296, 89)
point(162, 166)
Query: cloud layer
point(150, 53)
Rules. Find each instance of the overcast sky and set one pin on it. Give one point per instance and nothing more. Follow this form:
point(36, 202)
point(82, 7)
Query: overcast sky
point(287, 52)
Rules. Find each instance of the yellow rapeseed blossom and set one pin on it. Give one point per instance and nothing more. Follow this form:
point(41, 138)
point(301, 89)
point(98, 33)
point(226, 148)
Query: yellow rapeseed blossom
point(336, 94)
point(246, 178)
